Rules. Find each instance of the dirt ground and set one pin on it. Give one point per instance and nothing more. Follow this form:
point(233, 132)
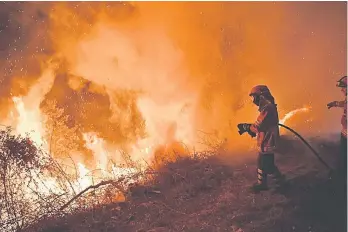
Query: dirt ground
point(213, 195)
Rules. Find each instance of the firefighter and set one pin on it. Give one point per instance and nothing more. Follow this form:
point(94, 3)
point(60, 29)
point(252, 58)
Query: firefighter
point(342, 161)
point(267, 131)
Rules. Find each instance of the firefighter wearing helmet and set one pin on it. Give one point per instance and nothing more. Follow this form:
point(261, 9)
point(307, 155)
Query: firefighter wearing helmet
point(342, 167)
point(267, 131)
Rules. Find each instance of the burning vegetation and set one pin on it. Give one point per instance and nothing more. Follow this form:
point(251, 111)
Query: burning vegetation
point(98, 96)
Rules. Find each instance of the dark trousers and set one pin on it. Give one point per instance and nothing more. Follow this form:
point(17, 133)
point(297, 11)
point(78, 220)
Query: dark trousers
point(342, 160)
point(265, 167)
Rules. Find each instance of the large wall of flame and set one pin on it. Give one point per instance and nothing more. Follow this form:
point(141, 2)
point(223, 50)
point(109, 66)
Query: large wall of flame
point(205, 54)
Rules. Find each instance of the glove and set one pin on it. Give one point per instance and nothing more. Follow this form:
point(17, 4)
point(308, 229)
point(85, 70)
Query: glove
point(331, 104)
point(245, 127)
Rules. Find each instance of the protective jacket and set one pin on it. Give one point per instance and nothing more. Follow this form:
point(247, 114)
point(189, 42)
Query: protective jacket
point(266, 126)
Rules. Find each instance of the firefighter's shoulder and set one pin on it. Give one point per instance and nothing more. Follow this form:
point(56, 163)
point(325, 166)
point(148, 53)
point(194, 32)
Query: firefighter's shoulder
point(269, 107)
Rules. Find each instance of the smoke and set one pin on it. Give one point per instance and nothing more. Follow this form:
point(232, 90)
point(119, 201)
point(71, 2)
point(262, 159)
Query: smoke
point(312, 57)
point(163, 70)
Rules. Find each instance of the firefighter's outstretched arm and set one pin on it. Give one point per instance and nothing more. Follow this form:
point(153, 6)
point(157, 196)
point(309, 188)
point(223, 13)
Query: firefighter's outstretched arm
point(336, 104)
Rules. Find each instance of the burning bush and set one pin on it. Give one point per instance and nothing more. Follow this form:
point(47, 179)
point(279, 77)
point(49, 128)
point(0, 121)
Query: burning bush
point(17, 152)
point(35, 186)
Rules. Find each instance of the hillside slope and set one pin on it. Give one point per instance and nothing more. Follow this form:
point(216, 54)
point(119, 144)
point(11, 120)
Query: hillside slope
point(212, 195)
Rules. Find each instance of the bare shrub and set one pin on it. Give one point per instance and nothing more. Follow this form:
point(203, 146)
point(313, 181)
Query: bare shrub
point(34, 186)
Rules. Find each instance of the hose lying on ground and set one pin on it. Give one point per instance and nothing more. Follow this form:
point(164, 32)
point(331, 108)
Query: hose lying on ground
point(309, 146)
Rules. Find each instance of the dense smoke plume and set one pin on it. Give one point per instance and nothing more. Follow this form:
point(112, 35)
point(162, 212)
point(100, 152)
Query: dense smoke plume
point(164, 70)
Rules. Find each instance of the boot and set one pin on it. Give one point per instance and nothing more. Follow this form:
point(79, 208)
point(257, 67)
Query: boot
point(258, 187)
point(261, 184)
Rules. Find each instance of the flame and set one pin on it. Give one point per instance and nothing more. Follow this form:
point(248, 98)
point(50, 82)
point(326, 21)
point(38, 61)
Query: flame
point(28, 122)
point(97, 146)
point(115, 68)
point(84, 179)
point(29, 118)
point(100, 55)
point(162, 129)
point(293, 113)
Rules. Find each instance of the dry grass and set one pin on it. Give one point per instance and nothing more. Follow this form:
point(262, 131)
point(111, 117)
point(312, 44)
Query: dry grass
point(205, 194)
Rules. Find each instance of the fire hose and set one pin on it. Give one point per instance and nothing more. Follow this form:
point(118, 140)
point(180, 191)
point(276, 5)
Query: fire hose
point(309, 146)
point(242, 130)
